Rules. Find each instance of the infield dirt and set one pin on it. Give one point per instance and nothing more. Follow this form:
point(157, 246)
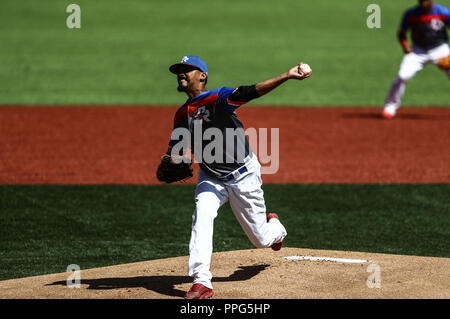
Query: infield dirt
point(256, 273)
point(123, 145)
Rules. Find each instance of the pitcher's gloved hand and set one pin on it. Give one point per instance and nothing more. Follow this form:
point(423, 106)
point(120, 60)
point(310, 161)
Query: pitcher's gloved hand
point(444, 63)
point(174, 170)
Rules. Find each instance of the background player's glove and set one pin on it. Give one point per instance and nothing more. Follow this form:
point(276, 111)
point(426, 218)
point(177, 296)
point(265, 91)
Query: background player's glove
point(444, 63)
point(170, 172)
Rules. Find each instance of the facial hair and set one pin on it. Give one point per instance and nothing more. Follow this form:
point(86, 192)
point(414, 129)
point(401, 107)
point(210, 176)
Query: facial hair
point(181, 87)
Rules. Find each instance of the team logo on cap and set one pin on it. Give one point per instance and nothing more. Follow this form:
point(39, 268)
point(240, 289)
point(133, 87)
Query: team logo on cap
point(184, 59)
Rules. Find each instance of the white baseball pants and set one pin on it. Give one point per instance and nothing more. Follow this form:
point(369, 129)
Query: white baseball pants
point(411, 64)
point(247, 202)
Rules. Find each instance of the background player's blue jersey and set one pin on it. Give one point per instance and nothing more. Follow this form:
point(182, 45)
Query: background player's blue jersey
point(216, 109)
point(428, 30)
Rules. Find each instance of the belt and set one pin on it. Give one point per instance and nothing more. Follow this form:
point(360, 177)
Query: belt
point(230, 176)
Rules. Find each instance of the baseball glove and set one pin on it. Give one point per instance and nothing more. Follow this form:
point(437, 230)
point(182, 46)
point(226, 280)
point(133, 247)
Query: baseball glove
point(170, 172)
point(444, 63)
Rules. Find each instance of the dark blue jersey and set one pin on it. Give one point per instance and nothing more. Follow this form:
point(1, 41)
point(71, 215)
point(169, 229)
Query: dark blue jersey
point(428, 30)
point(215, 110)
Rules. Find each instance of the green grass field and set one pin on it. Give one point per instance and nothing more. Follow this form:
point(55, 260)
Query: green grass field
point(46, 228)
point(122, 52)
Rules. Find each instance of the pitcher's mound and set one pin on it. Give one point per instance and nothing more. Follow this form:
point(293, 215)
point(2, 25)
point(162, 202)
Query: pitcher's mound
point(256, 273)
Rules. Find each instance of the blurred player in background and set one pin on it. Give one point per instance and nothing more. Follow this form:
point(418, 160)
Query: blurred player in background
point(428, 23)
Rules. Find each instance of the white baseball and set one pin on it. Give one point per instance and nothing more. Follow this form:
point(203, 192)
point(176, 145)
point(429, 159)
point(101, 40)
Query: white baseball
point(305, 68)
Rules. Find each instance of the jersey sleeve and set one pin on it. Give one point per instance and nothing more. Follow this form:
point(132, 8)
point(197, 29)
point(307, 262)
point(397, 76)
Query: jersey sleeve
point(404, 25)
point(230, 98)
point(224, 102)
point(446, 13)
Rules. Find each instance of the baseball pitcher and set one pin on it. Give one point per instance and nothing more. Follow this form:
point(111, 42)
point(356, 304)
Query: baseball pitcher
point(428, 23)
point(233, 174)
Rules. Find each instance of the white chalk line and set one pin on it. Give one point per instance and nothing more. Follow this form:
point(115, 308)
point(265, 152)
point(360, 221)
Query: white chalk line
point(339, 260)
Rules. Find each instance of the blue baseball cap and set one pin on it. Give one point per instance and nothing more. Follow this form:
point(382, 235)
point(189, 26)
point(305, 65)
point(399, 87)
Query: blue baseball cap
point(190, 60)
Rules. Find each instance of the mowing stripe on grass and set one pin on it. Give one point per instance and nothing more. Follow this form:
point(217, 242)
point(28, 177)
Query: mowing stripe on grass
point(43, 229)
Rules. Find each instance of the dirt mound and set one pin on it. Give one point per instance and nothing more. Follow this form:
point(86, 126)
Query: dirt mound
point(255, 274)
